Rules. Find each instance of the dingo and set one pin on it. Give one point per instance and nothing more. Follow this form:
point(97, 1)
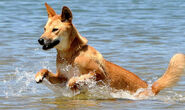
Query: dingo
point(72, 49)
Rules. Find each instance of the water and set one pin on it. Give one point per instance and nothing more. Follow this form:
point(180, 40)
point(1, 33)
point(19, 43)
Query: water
point(140, 36)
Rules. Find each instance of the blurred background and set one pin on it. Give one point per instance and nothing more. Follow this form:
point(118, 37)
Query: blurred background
point(139, 35)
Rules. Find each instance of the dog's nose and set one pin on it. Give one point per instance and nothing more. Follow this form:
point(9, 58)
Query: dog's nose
point(41, 41)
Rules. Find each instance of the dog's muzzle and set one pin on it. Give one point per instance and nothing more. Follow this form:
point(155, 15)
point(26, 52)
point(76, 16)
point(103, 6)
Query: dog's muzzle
point(48, 44)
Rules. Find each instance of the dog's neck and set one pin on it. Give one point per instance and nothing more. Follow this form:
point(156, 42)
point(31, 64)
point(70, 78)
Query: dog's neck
point(76, 45)
point(68, 54)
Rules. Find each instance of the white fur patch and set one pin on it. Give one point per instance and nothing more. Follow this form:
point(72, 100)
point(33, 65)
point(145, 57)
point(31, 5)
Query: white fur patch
point(64, 43)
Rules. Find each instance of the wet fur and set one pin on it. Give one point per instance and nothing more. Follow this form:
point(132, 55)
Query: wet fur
point(73, 50)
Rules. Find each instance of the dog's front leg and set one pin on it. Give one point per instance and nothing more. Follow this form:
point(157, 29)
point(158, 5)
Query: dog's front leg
point(52, 78)
point(75, 83)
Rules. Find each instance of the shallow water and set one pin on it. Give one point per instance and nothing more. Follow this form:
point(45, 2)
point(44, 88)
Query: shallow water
point(140, 36)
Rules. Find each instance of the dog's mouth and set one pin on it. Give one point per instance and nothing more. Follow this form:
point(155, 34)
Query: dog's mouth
point(50, 44)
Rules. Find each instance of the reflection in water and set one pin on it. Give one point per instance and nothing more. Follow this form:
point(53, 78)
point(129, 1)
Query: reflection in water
point(75, 104)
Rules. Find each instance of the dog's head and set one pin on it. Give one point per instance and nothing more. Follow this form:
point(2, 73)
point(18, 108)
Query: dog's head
point(59, 30)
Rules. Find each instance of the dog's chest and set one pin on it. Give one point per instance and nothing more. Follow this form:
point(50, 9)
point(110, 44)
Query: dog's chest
point(68, 70)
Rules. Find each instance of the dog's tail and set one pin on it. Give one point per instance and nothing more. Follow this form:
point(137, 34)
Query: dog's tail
point(175, 69)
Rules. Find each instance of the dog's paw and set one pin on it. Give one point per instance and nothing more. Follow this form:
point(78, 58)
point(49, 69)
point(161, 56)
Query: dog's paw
point(79, 82)
point(41, 75)
point(73, 83)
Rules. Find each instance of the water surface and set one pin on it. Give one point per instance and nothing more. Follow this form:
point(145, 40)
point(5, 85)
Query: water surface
point(139, 35)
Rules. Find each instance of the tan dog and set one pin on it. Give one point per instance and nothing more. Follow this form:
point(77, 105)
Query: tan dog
point(72, 49)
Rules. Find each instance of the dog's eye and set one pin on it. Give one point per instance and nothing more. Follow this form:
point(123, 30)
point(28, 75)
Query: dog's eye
point(44, 29)
point(54, 29)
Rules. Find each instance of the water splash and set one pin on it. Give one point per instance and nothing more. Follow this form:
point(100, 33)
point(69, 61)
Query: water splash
point(22, 83)
point(93, 91)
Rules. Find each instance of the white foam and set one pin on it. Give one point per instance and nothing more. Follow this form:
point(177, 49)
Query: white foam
point(22, 83)
point(19, 84)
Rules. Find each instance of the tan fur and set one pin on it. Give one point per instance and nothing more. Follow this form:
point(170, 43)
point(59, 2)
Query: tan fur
point(74, 51)
point(50, 10)
point(171, 76)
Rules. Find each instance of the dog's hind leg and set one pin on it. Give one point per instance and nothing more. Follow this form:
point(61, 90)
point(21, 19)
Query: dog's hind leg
point(52, 78)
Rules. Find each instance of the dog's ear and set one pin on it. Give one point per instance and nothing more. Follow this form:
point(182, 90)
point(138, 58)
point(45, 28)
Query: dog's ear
point(50, 10)
point(66, 14)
